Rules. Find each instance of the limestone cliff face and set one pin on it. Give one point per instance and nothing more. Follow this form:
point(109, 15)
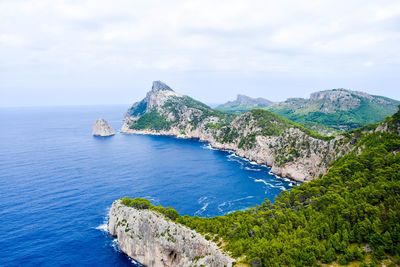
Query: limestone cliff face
point(154, 240)
point(312, 158)
point(260, 136)
point(102, 128)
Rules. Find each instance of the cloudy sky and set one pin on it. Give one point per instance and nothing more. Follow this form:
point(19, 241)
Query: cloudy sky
point(108, 52)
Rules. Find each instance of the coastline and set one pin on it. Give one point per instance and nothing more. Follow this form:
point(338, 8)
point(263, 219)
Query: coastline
point(278, 172)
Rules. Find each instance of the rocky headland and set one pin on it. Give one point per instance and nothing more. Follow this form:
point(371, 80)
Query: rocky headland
point(154, 240)
point(102, 128)
point(258, 135)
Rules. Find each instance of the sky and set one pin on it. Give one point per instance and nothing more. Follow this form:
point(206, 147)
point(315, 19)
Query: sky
point(80, 52)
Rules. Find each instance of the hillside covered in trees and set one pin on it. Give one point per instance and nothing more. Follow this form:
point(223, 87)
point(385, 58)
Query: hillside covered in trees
point(350, 215)
point(328, 112)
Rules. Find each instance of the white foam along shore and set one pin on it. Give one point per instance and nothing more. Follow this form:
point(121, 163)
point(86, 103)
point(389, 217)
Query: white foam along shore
point(207, 145)
point(233, 154)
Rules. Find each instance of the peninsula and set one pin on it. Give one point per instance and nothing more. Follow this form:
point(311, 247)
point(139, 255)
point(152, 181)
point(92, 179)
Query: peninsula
point(290, 149)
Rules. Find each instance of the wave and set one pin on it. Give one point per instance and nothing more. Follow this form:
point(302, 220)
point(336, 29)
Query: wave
point(278, 185)
point(201, 200)
point(114, 245)
point(261, 181)
point(202, 209)
point(252, 169)
point(208, 146)
point(243, 198)
point(221, 205)
point(229, 204)
point(103, 227)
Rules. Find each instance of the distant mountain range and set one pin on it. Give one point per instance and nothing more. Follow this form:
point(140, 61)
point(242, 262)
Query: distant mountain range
point(244, 103)
point(328, 111)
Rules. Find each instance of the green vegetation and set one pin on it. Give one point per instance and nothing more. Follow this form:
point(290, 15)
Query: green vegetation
point(329, 116)
point(312, 114)
point(272, 124)
point(176, 104)
point(138, 109)
point(142, 203)
point(327, 219)
point(248, 141)
point(151, 120)
point(331, 219)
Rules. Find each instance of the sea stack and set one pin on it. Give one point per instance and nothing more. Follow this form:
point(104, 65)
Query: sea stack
point(102, 128)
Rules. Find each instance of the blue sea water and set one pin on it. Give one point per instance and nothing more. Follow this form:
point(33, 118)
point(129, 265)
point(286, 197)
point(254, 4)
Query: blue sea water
point(57, 182)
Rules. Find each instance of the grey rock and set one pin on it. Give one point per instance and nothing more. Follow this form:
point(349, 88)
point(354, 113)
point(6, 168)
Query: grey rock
point(102, 128)
point(160, 86)
point(153, 240)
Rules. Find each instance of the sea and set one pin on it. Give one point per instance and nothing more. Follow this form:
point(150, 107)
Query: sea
point(58, 181)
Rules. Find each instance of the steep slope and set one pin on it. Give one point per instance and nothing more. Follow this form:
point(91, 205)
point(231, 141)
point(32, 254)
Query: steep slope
point(339, 109)
point(258, 135)
point(154, 239)
point(348, 216)
point(244, 103)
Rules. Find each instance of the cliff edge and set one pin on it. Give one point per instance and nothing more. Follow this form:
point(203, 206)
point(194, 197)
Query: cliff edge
point(154, 240)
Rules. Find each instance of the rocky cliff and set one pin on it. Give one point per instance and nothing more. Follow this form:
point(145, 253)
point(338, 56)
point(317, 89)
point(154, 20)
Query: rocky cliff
point(258, 135)
point(102, 128)
point(153, 240)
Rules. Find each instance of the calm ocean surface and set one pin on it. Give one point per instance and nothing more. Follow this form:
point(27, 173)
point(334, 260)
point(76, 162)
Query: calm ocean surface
point(57, 182)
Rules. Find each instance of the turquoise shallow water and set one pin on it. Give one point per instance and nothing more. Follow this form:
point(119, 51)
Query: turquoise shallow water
point(57, 182)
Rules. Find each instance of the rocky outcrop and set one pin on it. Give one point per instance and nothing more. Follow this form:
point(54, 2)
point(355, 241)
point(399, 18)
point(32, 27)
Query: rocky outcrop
point(102, 128)
point(154, 240)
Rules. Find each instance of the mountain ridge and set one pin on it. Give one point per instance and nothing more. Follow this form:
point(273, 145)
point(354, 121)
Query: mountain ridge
point(339, 109)
point(330, 111)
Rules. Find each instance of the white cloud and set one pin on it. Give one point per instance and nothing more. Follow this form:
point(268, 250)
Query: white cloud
point(321, 38)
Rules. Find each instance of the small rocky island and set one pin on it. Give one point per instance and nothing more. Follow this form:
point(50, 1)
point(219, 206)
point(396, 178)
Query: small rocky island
point(153, 239)
point(102, 128)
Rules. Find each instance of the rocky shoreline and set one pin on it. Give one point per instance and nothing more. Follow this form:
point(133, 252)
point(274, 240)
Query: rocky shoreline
point(291, 150)
point(298, 172)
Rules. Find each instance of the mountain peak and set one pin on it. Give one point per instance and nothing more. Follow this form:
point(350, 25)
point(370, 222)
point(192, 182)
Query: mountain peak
point(160, 86)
